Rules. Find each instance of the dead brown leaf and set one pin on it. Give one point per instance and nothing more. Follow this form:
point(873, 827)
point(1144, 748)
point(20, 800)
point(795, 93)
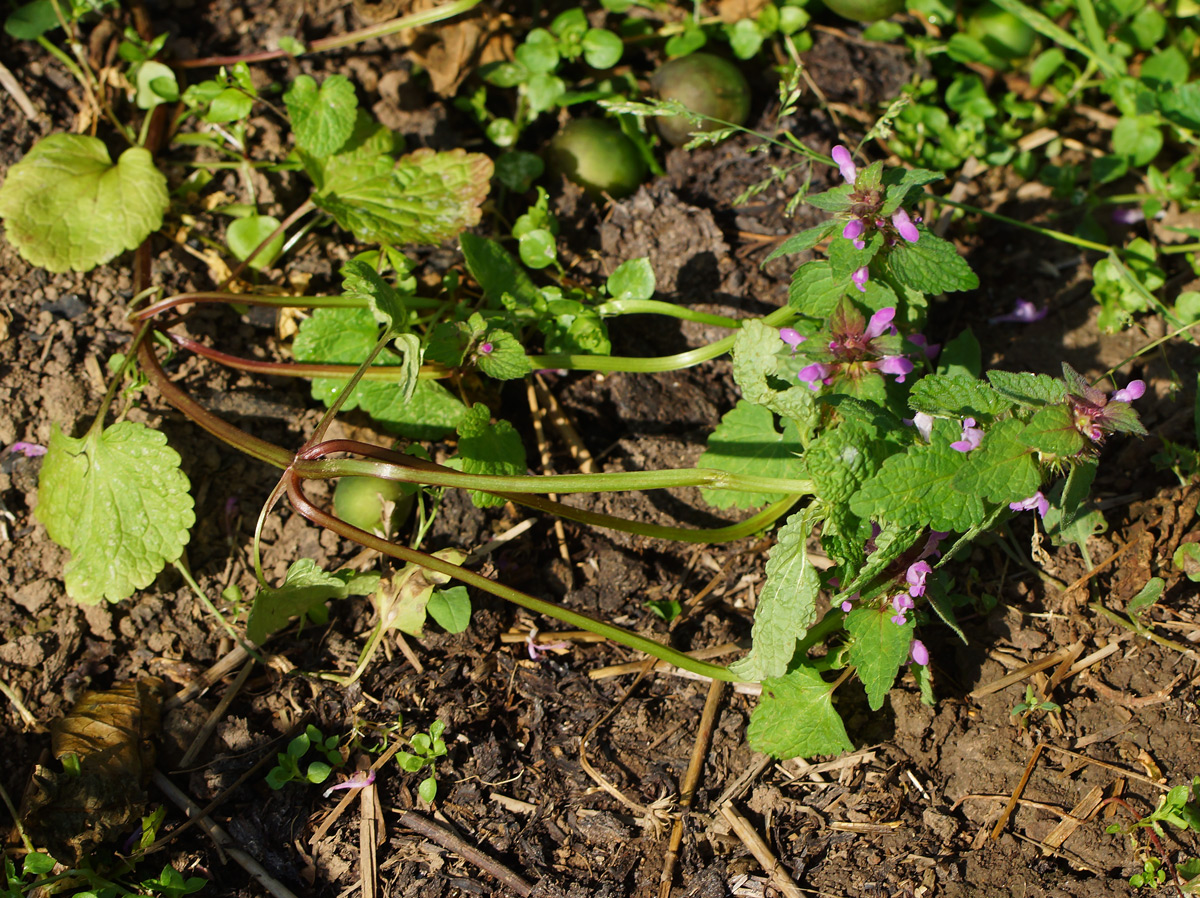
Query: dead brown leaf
point(107, 745)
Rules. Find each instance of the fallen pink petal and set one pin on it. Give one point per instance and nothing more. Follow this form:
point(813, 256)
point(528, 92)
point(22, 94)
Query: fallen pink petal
point(1024, 312)
point(358, 781)
point(29, 450)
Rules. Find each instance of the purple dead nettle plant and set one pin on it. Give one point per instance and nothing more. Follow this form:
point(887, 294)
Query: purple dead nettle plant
point(856, 348)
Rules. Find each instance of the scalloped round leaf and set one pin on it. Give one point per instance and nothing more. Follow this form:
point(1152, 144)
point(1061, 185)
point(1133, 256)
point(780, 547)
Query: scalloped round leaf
point(66, 206)
point(796, 718)
point(119, 503)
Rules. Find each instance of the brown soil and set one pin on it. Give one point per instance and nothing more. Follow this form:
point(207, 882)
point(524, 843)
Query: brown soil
point(912, 813)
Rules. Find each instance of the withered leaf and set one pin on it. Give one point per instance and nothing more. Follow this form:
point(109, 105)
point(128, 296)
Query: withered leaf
point(99, 794)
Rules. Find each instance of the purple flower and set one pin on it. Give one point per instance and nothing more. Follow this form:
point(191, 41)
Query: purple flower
point(791, 337)
point(1037, 500)
point(905, 226)
point(915, 575)
point(358, 781)
point(931, 544)
point(918, 653)
point(1128, 216)
point(814, 374)
point(880, 323)
point(903, 602)
point(847, 605)
point(1135, 389)
point(1024, 312)
point(896, 365)
point(486, 348)
point(923, 423)
point(930, 349)
point(29, 450)
point(853, 229)
point(845, 164)
point(972, 436)
point(860, 277)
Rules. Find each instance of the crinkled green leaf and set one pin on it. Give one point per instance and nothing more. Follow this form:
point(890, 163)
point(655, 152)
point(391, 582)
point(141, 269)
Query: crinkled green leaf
point(958, 395)
point(796, 719)
point(498, 273)
point(835, 200)
point(305, 586)
point(839, 460)
point(806, 239)
point(845, 258)
point(322, 117)
point(507, 360)
point(424, 197)
point(1002, 468)
point(633, 279)
point(571, 327)
point(917, 487)
point(1028, 389)
point(347, 336)
point(66, 206)
point(487, 448)
point(931, 265)
point(385, 302)
point(877, 649)
point(891, 542)
point(757, 365)
point(814, 291)
point(787, 604)
point(900, 183)
point(117, 500)
point(1052, 430)
point(746, 442)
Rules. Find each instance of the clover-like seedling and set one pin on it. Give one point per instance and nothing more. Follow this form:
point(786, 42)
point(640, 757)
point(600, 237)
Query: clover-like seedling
point(289, 768)
point(426, 749)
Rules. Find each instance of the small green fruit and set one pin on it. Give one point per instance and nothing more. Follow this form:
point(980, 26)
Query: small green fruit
point(594, 154)
point(363, 502)
point(1003, 34)
point(865, 10)
point(705, 84)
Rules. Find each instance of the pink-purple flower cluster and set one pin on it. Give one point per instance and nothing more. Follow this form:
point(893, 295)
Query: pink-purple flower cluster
point(866, 204)
point(855, 348)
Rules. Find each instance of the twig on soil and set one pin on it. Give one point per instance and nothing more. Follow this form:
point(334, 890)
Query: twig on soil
point(25, 714)
point(12, 809)
point(537, 414)
point(1119, 698)
point(1022, 672)
point(214, 674)
point(1080, 814)
point(1107, 766)
point(560, 422)
point(468, 853)
point(691, 778)
point(1072, 859)
point(1016, 796)
point(1143, 631)
point(368, 832)
point(738, 787)
point(766, 859)
point(218, 713)
point(10, 83)
point(222, 839)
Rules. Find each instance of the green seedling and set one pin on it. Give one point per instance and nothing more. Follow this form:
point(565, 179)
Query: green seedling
point(289, 767)
point(1031, 705)
point(1179, 808)
point(426, 748)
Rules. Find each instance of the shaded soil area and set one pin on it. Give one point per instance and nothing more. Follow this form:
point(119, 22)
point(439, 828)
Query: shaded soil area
point(913, 812)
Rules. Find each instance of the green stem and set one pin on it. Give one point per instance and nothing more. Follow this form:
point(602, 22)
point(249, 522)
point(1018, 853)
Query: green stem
point(184, 572)
point(658, 363)
point(115, 383)
point(617, 481)
point(221, 429)
point(470, 578)
point(1141, 630)
point(1179, 248)
point(1045, 232)
point(655, 307)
